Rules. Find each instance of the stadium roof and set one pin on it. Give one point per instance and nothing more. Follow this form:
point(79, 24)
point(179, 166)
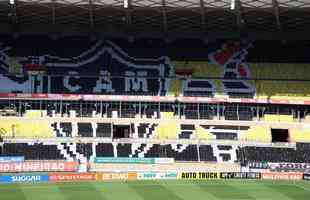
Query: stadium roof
point(195, 18)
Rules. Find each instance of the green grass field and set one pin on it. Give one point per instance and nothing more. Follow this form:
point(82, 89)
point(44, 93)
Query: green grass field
point(159, 190)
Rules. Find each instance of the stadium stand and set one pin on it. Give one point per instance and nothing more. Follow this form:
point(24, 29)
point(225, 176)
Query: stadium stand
point(275, 154)
point(38, 151)
point(203, 134)
point(278, 118)
point(31, 128)
point(103, 130)
point(81, 151)
point(183, 85)
point(101, 79)
point(23, 129)
point(256, 133)
point(226, 67)
point(180, 152)
point(85, 129)
point(167, 131)
point(300, 135)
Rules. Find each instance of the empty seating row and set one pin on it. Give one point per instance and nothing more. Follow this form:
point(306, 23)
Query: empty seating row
point(180, 152)
point(86, 151)
point(44, 128)
point(274, 154)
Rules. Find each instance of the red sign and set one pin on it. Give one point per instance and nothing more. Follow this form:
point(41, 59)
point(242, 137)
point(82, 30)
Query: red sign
point(72, 177)
point(282, 176)
point(48, 166)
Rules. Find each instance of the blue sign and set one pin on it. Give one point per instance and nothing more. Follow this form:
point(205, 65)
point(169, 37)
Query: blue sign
point(157, 175)
point(12, 159)
point(23, 178)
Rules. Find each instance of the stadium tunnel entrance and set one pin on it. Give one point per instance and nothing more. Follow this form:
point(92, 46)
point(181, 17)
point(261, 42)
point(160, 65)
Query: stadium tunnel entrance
point(121, 131)
point(279, 135)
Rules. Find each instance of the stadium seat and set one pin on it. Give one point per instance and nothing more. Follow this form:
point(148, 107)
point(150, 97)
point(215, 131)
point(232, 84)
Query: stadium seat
point(271, 70)
point(26, 128)
point(257, 133)
point(187, 131)
point(85, 129)
point(180, 152)
point(203, 134)
point(167, 130)
point(299, 135)
point(206, 153)
point(104, 150)
point(104, 130)
point(307, 119)
point(166, 115)
point(276, 154)
point(37, 151)
point(278, 118)
point(33, 114)
point(144, 130)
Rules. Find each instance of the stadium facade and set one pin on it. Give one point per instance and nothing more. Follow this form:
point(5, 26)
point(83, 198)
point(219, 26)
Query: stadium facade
point(223, 85)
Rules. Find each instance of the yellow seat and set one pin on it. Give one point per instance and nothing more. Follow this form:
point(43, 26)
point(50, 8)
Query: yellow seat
point(279, 71)
point(33, 114)
point(265, 89)
point(285, 90)
point(258, 134)
point(167, 115)
point(281, 89)
point(26, 128)
point(167, 130)
point(203, 134)
point(299, 135)
point(278, 118)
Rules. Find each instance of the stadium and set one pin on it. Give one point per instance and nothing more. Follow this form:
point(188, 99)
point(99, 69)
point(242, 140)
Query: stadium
point(154, 99)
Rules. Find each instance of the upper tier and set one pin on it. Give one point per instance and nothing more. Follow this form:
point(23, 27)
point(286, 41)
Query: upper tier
point(259, 69)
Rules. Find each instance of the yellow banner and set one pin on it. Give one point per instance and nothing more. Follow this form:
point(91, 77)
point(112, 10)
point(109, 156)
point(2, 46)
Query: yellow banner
point(199, 175)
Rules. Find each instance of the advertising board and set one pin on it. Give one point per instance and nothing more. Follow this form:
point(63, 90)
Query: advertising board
point(132, 175)
point(156, 175)
point(59, 177)
point(240, 175)
point(306, 176)
point(282, 175)
point(124, 160)
point(300, 167)
point(38, 166)
point(280, 167)
point(164, 160)
point(258, 165)
point(8, 159)
point(118, 176)
point(23, 178)
point(134, 160)
point(198, 175)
